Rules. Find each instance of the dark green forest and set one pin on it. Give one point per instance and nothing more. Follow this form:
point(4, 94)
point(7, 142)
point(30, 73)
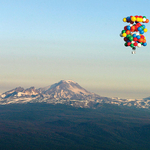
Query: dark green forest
point(60, 127)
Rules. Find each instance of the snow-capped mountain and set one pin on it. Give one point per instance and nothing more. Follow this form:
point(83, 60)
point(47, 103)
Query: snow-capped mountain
point(20, 92)
point(67, 89)
point(66, 92)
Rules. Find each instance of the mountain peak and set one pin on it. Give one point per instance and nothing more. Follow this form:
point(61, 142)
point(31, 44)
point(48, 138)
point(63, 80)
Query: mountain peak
point(67, 81)
point(20, 92)
point(66, 92)
point(67, 89)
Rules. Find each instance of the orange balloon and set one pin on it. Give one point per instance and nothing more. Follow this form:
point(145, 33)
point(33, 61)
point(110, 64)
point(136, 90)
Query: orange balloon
point(144, 40)
point(128, 32)
point(132, 28)
point(147, 21)
point(141, 40)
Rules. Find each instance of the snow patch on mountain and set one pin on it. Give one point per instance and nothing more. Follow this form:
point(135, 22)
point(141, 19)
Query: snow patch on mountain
point(69, 81)
point(77, 90)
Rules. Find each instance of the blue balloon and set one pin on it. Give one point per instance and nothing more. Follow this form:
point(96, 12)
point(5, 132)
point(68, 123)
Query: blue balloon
point(139, 29)
point(144, 44)
point(128, 19)
point(143, 26)
point(134, 35)
point(141, 32)
point(128, 27)
point(138, 37)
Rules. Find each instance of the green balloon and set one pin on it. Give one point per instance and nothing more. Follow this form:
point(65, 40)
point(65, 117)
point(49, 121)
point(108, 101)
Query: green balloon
point(131, 38)
point(129, 35)
point(144, 16)
point(123, 31)
point(132, 45)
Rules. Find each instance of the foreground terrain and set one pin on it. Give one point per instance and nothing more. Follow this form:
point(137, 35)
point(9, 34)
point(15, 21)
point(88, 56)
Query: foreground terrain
point(45, 126)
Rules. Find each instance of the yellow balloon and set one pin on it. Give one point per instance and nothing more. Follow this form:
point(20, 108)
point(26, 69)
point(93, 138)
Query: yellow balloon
point(145, 30)
point(138, 19)
point(124, 20)
point(133, 18)
point(124, 34)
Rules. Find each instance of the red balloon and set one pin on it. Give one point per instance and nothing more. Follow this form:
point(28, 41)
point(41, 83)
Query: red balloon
point(142, 36)
point(135, 44)
point(129, 43)
point(125, 39)
point(135, 39)
point(136, 28)
point(125, 27)
point(138, 24)
point(131, 22)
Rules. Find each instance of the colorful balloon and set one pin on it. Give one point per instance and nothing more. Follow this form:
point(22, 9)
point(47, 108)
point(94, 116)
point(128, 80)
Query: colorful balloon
point(125, 20)
point(133, 18)
point(124, 34)
point(133, 33)
point(145, 30)
point(144, 44)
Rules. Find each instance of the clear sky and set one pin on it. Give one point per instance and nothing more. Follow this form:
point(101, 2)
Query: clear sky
point(45, 41)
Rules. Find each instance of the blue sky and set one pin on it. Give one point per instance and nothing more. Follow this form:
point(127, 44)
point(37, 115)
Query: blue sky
point(45, 41)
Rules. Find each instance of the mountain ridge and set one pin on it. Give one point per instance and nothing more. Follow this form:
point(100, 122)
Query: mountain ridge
point(66, 92)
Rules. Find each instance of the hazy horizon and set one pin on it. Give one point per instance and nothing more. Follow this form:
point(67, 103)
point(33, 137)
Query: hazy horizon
point(101, 92)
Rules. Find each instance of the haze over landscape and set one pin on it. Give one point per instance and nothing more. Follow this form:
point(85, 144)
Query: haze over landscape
point(43, 42)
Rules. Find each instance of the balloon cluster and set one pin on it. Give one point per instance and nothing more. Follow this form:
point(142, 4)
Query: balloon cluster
point(133, 33)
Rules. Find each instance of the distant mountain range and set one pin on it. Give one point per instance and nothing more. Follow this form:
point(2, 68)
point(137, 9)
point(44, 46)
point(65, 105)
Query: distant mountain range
point(66, 92)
